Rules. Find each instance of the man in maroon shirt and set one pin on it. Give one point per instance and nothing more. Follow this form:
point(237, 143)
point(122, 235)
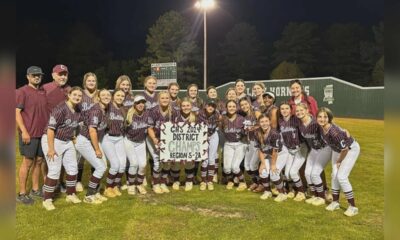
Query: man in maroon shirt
point(31, 118)
point(56, 93)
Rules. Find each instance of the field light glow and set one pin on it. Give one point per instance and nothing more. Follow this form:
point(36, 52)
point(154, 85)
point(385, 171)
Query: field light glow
point(205, 4)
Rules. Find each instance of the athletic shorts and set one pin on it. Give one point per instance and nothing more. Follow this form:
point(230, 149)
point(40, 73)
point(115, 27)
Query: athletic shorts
point(31, 150)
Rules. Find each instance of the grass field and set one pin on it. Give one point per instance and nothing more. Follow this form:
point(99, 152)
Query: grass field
point(222, 214)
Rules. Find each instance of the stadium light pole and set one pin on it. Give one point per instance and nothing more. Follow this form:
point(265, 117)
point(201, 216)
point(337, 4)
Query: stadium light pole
point(204, 5)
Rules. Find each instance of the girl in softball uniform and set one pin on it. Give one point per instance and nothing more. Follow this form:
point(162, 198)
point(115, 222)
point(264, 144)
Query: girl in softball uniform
point(113, 144)
point(344, 156)
point(59, 149)
point(234, 149)
point(185, 115)
point(251, 160)
point(135, 144)
point(318, 156)
point(288, 127)
point(150, 94)
point(240, 88)
point(88, 145)
point(193, 95)
point(173, 89)
point(258, 91)
point(272, 158)
point(270, 108)
point(89, 93)
point(210, 116)
point(157, 116)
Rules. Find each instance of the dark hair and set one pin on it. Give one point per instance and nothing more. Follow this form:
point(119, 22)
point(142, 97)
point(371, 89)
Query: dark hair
point(302, 89)
point(279, 115)
point(209, 88)
point(328, 113)
point(173, 84)
point(74, 89)
point(239, 80)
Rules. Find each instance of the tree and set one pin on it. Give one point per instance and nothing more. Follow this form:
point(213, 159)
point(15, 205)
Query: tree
point(242, 54)
point(108, 74)
point(169, 40)
point(378, 73)
point(287, 70)
point(342, 56)
point(300, 44)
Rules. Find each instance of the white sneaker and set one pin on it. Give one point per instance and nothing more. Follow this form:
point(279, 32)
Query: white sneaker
point(188, 186)
point(157, 189)
point(141, 189)
point(176, 185)
point(281, 197)
point(290, 194)
point(311, 200)
point(144, 182)
point(164, 188)
point(242, 186)
point(299, 197)
point(131, 189)
point(229, 186)
point(274, 191)
point(215, 178)
point(124, 187)
point(100, 197)
point(333, 206)
point(351, 211)
point(73, 199)
point(266, 195)
point(318, 201)
point(91, 200)
point(48, 204)
point(203, 186)
point(79, 187)
point(210, 186)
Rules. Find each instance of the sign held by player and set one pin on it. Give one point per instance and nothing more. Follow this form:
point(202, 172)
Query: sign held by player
point(183, 142)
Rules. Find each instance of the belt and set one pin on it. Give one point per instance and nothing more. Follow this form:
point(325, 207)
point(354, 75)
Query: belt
point(114, 135)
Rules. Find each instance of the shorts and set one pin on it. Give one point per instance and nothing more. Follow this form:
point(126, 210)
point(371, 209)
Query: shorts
point(31, 150)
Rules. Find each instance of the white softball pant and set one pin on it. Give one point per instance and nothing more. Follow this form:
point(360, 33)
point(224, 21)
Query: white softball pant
point(136, 153)
point(316, 162)
point(233, 156)
point(114, 150)
point(340, 176)
point(251, 160)
point(294, 161)
point(280, 164)
point(66, 156)
point(154, 155)
point(85, 148)
point(212, 150)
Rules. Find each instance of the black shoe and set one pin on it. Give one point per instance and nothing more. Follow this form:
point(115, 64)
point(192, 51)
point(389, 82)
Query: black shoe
point(25, 199)
point(36, 194)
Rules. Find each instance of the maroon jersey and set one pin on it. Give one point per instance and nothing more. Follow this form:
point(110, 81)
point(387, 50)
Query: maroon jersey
point(268, 110)
point(197, 105)
point(337, 138)
point(312, 134)
point(151, 101)
point(270, 142)
point(64, 122)
point(211, 121)
point(96, 118)
point(55, 94)
point(175, 104)
point(290, 132)
point(137, 130)
point(249, 122)
point(32, 103)
point(115, 123)
point(128, 101)
point(256, 105)
point(233, 130)
point(86, 103)
point(179, 118)
point(155, 119)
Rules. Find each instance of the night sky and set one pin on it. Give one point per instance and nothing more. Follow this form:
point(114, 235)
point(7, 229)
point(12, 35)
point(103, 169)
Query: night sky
point(123, 25)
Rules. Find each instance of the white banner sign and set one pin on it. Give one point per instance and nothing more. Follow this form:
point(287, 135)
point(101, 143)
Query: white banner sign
point(183, 142)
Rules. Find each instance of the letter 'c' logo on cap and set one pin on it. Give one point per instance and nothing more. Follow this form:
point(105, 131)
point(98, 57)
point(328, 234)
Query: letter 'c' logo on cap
point(62, 67)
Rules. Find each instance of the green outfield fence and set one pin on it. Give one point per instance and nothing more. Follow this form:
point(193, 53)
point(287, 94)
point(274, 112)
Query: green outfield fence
point(343, 98)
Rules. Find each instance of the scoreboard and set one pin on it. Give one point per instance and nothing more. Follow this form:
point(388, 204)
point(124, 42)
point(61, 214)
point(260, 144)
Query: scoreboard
point(164, 72)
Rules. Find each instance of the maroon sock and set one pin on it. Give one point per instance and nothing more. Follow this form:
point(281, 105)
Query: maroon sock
point(49, 187)
point(320, 190)
point(265, 183)
point(139, 179)
point(93, 184)
point(335, 195)
point(70, 183)
point(350, 198)
point(131, 179)
point(203, 171)
point(211, 172)
point(117, 180)
point(110, 180)
point(279, 185)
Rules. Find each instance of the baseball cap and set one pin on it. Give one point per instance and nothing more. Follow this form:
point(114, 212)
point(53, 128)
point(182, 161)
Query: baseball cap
point(211, 102)
point(34, 70)
point(139, 98)
point(269, 94)
point(60, 68)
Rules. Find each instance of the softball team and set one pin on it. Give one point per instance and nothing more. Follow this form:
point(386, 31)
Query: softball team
point(273, 142)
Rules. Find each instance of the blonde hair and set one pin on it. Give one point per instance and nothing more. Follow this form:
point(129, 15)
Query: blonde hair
point(86, 76)
point(147, 79)
point(96, 97)
point(132, 112)
point(192, 116)
point(122, 78)
point(260, 84)
point(169, 110)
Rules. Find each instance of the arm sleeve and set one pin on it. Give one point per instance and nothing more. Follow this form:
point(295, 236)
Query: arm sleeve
point(20, 99)
point(56, 118)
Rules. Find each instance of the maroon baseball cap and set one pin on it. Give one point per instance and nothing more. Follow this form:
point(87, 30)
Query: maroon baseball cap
point(60, 68)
